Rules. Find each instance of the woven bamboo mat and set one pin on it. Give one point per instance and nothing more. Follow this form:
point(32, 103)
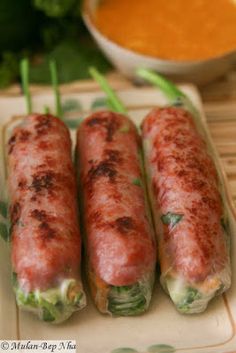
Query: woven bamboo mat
point(219, 99)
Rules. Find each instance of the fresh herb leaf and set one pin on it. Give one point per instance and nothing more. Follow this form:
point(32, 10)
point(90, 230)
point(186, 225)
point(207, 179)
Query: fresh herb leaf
point(191, 295)
point(3, 209)
point(28, 299)
point(124, 128)
point(225, 224)
point(47, 315)
point(127, 300)
point(99, 103)
point(78, 298)
point(54, 8)
point(46, 109)
point(137, 182)
point(71, 105)
point(171, 219)
point(73, 59)
point(4, 232)
point(14, 279)
point(73, 123)
point(50, 311)
point(9, 69)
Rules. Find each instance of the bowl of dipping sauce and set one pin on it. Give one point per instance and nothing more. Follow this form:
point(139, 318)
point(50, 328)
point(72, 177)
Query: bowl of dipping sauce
point(193, 40)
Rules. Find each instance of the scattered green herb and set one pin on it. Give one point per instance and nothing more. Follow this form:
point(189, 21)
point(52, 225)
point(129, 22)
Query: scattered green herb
point(73, 124)
point(225, 224)
point(137, 182)
point(4, 232)
point(47, 315)
point(99, 103)
point(127, 300)
point(171, 219)
point(14, 279)
point(71, 105)
point(124, 128)
point(55, 8)
point(3, 209)
point(9, 69)
point(191, 295)
point(46, 109)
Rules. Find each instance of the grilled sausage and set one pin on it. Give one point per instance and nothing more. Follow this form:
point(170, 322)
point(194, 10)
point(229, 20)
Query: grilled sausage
point(187, 208)
point(120, 247)
point(44, 221)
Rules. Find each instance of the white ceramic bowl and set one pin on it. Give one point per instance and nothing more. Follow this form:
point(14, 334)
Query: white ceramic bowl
point(127, 61)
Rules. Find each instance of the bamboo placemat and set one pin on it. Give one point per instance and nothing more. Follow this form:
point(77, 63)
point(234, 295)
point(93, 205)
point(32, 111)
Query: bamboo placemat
point(219, 100)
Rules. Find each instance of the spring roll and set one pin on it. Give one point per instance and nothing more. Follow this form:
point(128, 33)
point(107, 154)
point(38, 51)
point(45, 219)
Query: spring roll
point(120, 245)
point(45, 234)
point(189, 214)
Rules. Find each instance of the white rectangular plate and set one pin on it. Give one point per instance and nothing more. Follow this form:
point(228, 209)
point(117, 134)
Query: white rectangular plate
point(161, 329)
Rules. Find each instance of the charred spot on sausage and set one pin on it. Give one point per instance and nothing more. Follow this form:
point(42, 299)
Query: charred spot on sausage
point(24, 135)
point(21, 136)
point(40, 215)
point(113, 155)
point(11, 143)
point(43, 180)
point(44, 122)
point(103, 169)
point(22, 184)
point(124, 224)
point(95, 121)
point(15, 211)
point(109, 122)
point(107, 167)
point(111, 129)
point(46, 232)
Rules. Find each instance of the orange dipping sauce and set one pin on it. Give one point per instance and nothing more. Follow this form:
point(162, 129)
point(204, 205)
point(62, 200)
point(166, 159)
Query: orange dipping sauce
point(170, 29)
